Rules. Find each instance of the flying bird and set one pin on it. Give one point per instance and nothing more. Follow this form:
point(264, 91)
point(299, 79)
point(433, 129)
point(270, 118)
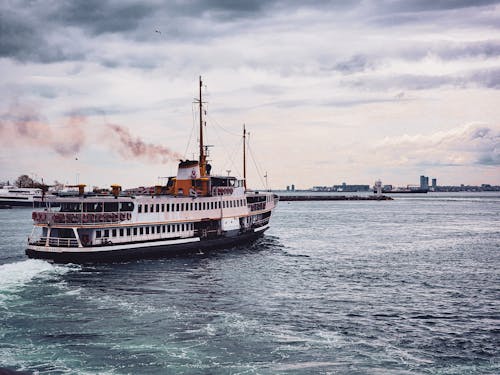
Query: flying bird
point(158, 31)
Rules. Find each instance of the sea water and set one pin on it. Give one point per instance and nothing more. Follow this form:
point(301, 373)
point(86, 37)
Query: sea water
point(410, 286)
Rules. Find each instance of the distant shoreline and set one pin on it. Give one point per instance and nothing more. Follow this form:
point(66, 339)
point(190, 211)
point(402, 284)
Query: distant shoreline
point(289, 198)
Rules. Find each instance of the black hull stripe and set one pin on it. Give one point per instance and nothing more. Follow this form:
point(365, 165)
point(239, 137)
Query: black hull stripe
point(145, 252)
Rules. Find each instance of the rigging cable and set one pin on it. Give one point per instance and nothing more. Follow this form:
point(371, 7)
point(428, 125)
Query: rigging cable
point(229, 154)
point(193, 112)
point(255, 163)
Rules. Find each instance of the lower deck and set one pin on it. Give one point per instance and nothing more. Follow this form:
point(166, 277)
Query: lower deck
point(81, 237)
point(140, 250)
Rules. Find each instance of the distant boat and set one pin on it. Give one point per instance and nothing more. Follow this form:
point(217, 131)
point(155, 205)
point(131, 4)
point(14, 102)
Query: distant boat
point(13, 196)
point(194, 211)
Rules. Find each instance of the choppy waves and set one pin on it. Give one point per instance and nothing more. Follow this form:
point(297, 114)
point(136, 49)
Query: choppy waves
point(401, 287)
point(14, 276)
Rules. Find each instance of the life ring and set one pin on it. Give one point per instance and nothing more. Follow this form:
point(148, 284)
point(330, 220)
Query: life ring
point(193, 173)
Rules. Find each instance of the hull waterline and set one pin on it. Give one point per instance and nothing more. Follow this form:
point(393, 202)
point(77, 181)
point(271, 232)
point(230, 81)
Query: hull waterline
point(146, 252)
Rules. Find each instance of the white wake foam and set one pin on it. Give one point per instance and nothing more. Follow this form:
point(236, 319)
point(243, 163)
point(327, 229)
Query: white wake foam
point(13, 276)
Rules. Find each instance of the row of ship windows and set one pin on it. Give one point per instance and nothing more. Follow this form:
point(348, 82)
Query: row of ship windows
point(121, 232)
point(192, 206)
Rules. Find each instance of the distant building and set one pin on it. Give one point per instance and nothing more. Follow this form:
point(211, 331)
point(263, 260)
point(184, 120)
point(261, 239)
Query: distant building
point(351, 188)
point(434, 183)
point(293, 187)
point(424, 182)
point(287, 188)
point(344, 188)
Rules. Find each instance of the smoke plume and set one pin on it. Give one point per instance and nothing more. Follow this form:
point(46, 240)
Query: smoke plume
point(20, 126)
point(134, 147)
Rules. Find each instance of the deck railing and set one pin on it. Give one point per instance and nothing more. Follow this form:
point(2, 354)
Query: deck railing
point(85, 218)
point(54, 242)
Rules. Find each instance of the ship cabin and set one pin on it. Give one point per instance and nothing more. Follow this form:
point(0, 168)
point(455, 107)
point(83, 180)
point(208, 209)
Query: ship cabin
point(191, 182)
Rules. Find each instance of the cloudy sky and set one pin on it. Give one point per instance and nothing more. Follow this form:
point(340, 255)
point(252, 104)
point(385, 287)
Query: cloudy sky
point(330, 91)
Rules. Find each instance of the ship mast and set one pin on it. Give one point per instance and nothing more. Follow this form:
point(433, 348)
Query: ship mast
point(203, 160)
point(244, 158)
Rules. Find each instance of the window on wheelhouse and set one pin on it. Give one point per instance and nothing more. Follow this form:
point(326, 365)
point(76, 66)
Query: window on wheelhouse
point(110, 206)
point(62, 233)
point(126, 206)
point(92, 207)
point(71, 207)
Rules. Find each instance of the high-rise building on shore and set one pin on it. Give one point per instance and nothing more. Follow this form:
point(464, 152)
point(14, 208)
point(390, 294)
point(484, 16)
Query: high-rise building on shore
point(424, 182)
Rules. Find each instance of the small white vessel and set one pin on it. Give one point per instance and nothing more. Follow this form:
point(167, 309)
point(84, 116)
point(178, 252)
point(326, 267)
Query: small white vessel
point(14, 196)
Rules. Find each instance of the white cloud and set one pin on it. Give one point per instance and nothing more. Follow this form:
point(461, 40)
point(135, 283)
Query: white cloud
point(472, 144)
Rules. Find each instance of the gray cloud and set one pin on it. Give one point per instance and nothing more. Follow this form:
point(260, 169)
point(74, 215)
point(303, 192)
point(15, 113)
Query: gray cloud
point(99, 17)
point(432, 5)
point(445, 13)
point(483, 49)
point(487, 78)
point(35, 30)
point(355, 64)
point(22, 39)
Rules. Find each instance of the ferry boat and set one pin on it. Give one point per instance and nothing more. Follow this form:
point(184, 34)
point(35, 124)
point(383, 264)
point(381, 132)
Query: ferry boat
point(14, 196)
point(194, 211)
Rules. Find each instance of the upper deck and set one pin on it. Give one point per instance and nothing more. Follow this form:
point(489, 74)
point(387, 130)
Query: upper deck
point(101, 211)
